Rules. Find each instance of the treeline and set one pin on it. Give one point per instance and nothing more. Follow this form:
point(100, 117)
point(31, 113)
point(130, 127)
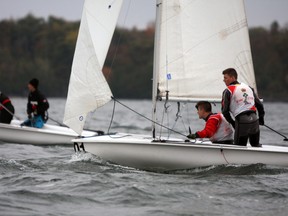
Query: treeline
point(34, 47)
point(270, 58)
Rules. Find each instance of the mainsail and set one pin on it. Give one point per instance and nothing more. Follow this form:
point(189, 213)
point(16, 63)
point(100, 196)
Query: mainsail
point(88, 88)
point(194, 51)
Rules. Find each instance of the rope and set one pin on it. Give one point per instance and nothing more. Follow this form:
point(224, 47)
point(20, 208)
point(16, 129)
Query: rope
point(166, 107)
point(222, 152)
point(119, 39)
point(165, 111)
point(115, 100)
point(285, 138)
point(178, 115)
point(162, 120)
point(112, 117)
point(59, 123)
point(13, 114)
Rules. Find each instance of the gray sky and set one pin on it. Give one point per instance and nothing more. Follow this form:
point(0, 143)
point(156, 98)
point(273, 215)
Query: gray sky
point(259, 12)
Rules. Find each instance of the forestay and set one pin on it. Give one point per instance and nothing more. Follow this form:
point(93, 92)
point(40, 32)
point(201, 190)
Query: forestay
point(88, 88)
point(195, 50)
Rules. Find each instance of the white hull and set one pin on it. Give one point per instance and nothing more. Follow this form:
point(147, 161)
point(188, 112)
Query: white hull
point(49, 134)
point(142, 153)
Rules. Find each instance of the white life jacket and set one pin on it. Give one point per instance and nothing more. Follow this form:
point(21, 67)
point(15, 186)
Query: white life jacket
point(224, 131)
point(242, 99)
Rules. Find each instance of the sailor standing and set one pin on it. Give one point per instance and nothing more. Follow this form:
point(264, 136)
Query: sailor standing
point(241, 101)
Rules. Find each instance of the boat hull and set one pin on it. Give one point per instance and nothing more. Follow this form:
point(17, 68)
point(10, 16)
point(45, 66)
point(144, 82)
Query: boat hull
point(49, 134)
point(142, 153)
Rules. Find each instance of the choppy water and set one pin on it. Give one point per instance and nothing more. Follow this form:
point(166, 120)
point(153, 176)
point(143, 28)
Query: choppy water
point(53, 180)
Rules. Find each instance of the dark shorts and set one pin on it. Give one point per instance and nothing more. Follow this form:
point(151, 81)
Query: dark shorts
point(247, 127)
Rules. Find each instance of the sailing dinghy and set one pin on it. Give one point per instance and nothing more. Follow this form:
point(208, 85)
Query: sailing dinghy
point(49, 134)
point(194, 42)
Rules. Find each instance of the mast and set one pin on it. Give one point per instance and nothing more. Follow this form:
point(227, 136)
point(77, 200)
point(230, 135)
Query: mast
point(156, 64)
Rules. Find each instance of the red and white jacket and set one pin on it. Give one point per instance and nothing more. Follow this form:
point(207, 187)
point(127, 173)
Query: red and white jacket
point(216, 129)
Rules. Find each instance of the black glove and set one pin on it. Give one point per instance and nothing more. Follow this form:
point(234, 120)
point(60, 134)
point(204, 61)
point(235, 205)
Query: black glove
point(191, 136)
point(261, 120)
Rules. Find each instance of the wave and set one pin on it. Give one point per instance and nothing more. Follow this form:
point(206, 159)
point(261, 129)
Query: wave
point(253, 169)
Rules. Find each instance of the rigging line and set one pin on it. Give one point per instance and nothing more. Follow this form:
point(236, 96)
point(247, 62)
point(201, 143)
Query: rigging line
point(112, 117)
point(146, 117)
point(119, 39)
point(178, 115)
point(285, 138)
point(222, 153)
point(184, 125)
point(168, 76)
point(13, 114)
point(162, 120)
point(187, 122)
point(59, 123)
point(165, 111)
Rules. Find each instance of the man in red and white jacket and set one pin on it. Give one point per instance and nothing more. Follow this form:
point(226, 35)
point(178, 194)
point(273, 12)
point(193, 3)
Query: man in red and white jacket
point(217, 129)
point(241, 101)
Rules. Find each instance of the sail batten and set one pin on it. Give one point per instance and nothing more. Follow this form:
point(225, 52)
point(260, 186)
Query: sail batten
point(195, 51)
point(88, 88)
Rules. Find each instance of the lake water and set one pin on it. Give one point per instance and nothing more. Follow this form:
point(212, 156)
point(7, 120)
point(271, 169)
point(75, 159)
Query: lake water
point(54, 180)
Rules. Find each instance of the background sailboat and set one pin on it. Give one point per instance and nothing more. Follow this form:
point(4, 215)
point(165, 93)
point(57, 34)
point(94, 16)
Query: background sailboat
point(87, 90)
point(48, 135)
point(194, 42)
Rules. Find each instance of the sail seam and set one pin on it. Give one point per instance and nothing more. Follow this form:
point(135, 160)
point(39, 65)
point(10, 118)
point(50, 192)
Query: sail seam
point(206, 39)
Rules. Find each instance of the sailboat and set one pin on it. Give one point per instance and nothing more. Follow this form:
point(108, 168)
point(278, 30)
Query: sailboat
point(47, 135)
point(194, 42)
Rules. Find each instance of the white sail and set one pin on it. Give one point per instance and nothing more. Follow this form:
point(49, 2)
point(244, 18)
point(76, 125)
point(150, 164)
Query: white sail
point(192, 54)
point(194, 51)
point(88, 88)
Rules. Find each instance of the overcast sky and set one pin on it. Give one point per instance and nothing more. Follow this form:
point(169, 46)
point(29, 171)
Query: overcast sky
point(259, 12)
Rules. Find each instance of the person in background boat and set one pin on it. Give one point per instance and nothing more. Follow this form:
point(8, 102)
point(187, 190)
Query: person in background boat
point(37, 106)
point(242, 102)
point(217, 129)
point(6, 109)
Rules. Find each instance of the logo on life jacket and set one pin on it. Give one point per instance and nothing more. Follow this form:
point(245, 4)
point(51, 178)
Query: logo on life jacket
point(245, 95)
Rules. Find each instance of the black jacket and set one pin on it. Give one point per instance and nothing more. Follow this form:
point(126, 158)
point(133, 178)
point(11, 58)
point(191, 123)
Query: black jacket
point(5, 116)
point(4, 98)
point(37, 104)
point(5, 101)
